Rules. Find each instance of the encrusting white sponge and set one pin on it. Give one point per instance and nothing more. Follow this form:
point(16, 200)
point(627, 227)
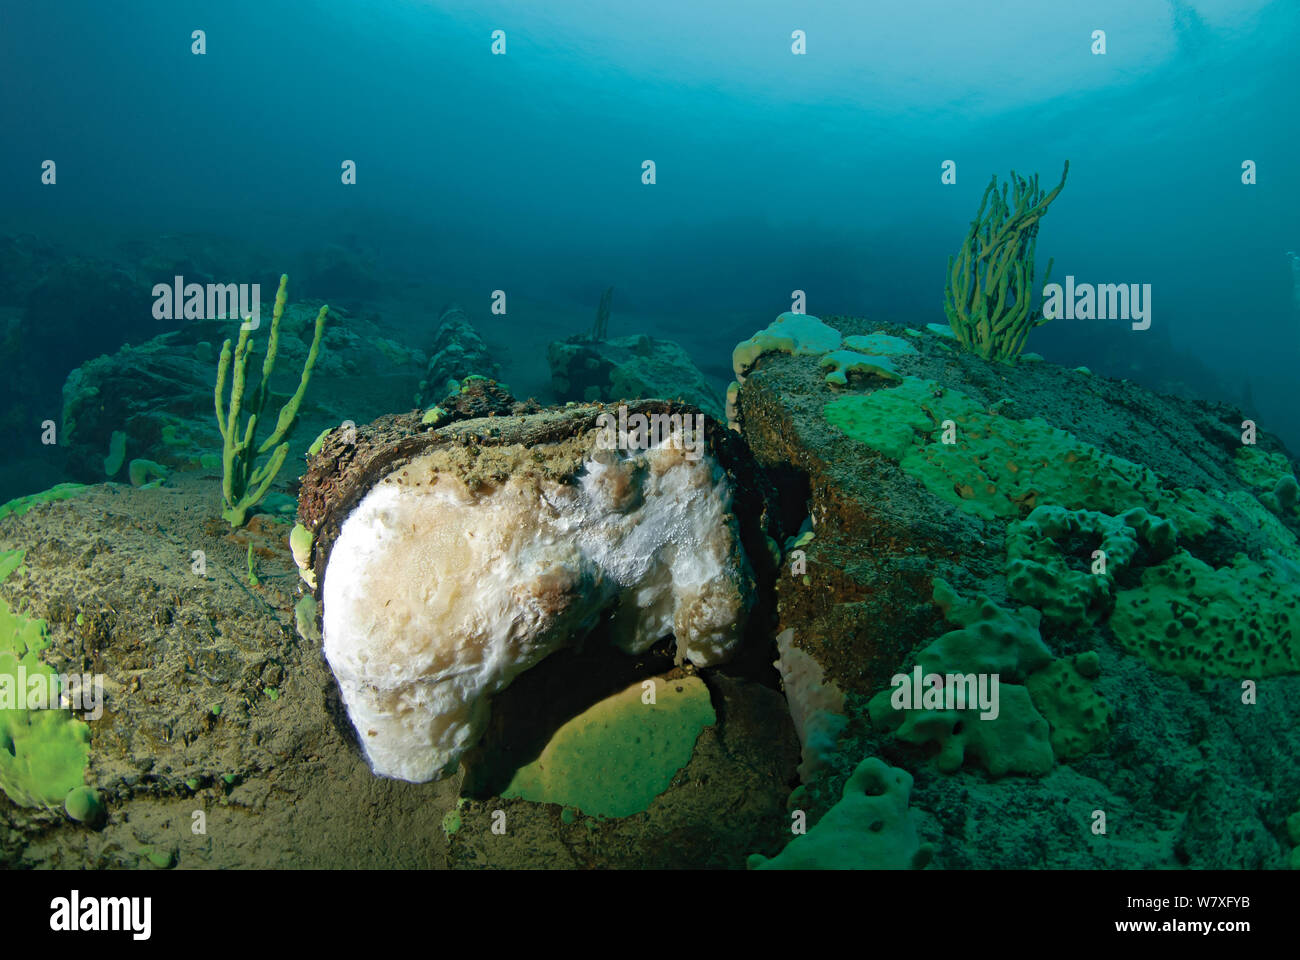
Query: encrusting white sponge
point(441, 589)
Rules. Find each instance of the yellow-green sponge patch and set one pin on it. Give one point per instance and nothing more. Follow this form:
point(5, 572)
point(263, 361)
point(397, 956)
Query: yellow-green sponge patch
point(20, 505)
point(1000, 467)
point(615, 758)
point(43, 751)
point(795, 333)
point(841, 363)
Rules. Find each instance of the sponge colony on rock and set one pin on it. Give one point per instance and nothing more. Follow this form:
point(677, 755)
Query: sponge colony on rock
point(799, 334)
point(1191, 619)
point(870, 828)
point(616, 757)
point(1001, 467)
point(468, 566)
point(1044, 549)
point(1063, 692)
point(795, 333)
point(994, 642)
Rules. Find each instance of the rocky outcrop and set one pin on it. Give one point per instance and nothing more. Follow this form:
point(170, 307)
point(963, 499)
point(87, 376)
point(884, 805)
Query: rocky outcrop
point(628, 368)
point(159, 394)
point(457, 352)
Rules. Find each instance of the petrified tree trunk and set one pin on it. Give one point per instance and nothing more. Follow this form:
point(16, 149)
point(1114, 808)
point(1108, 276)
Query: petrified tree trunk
point(480, 545)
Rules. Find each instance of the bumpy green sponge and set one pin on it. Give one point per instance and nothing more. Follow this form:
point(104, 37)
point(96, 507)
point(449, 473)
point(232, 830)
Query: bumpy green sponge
point(991, 640)
point(870, 828)
point(1050, 559)
point(615, 758)
point(1079, 718)
point(1271, 477)
point(1191, 619)
point(1017, 740)
point(43, 752)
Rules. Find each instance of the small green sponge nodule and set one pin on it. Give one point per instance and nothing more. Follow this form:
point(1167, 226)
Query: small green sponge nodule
point(617, 756)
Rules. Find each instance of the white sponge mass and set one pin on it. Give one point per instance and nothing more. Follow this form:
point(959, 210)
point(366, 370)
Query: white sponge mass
point(443, 586)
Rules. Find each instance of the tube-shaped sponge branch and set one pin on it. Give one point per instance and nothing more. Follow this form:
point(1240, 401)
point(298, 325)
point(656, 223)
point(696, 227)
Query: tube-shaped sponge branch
point(990, 290)
point(243, 482)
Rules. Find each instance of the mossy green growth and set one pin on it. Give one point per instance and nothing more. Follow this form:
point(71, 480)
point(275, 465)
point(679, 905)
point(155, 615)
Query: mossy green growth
point(1191, 619)
point(20, 505)
point(43, 751)
point(1079, 717)
point(451, 822)
point(616, 757)
point(898, 420)
point(252, 569)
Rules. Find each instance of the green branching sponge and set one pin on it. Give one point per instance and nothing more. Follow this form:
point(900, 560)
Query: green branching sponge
point(990, 291)
point(243, 483)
